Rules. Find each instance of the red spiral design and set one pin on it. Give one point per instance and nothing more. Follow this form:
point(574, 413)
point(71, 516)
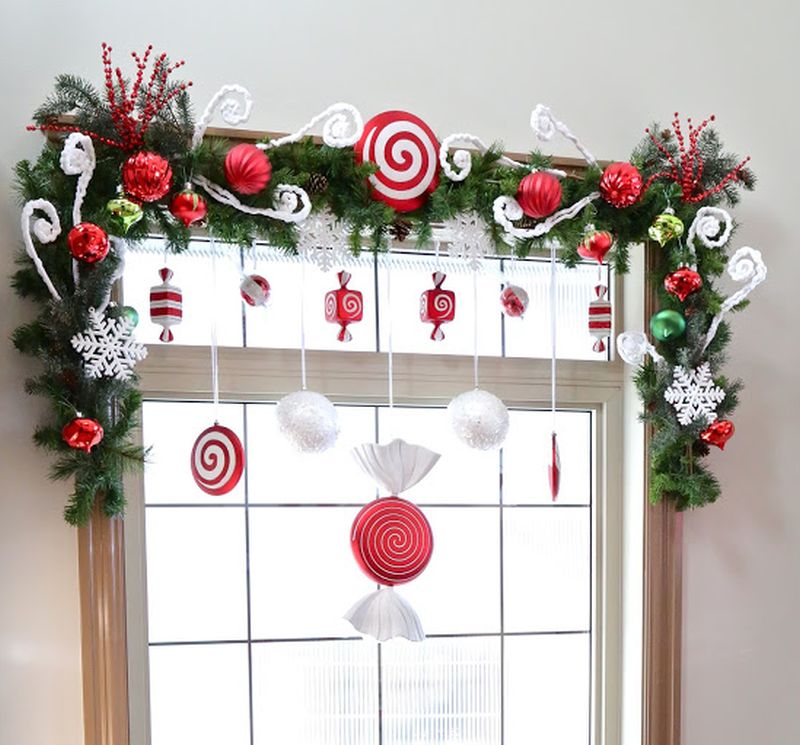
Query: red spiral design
point(217, 460)
point(391, 540)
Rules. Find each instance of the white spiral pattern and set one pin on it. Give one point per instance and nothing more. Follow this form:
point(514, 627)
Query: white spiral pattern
point(712, 226)
point(443, 303)
point(352, 303)
point(330, 307)
point(235, 104)
point(634, 346)
point(217, 460)
point(46, 230)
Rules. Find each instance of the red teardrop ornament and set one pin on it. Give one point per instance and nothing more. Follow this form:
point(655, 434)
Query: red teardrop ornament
point(82, 433)
point(718, 433)
point(683, 282)
point(188, 207)
point(596, 245)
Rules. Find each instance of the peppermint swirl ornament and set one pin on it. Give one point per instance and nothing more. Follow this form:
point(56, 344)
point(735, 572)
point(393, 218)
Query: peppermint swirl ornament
point(406, 152)
point(217, 460)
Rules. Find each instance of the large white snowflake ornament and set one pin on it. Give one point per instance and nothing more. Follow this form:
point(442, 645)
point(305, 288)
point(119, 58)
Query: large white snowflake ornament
point(693, 394)
point(469, 238)
point(324, 240)
point(108, 347)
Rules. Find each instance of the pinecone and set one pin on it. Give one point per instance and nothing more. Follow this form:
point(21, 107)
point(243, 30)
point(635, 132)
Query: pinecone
point(400, 229)
point(317, 183)
point(526, 222)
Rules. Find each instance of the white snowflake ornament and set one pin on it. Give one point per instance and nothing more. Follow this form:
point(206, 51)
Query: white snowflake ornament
point(470, 239)
point(108, 347)
point(323, 240)
point(694, 394)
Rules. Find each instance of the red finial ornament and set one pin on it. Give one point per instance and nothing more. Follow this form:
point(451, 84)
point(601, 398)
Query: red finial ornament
point(686, 168)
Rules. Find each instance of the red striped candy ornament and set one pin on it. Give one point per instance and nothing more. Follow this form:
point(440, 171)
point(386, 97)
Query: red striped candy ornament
point(344, 306)
point(406, 152)
point(217, 460)
point(166, 304)
point(437, 306)
point(391, 540)
point(600, 318)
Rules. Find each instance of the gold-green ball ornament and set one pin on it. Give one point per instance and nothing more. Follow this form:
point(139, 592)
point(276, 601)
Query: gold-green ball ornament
point(666, 227)
point(667, 325)
point(125, 213)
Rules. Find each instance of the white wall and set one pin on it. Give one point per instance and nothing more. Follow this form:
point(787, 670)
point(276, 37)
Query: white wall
point(608, 68)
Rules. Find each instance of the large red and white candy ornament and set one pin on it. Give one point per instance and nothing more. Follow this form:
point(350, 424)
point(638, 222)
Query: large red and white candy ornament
point(217, 460)
point(166, 304)
point(514, 301)
point(437, 306)
point(600, 318)
point(255, 290)
point(344, 306)
point(406, 152)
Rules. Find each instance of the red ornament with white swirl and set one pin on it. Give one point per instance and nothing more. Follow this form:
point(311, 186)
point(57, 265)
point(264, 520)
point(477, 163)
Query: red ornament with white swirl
point(344, 306)
point(437, 306)
point(514, 301)
point(166, 304)
point(600, 318)
point(255, 290)
point(406, 152)
point(217, 460)
point(391, 540)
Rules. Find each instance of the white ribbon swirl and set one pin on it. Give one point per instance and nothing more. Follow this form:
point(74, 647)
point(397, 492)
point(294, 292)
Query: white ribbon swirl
point(292, 204)
point(45, 230)
point(342, 127)
point(634, 346)
point(545, 125)
point(507, 209)
point(235, 104)
point(78, 159)
point(712, 226)
point(462, 159)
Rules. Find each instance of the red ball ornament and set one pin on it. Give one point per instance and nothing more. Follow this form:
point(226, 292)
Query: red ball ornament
point(621, 184)
point(596, 245)
point(217, 460)
point(255, 290)
point(188, 207)
point(437, 306)
point(82, 433)
point(88, 242)
point(514, 301)
point(392, 541)
point(344, 306)
point(247, 169)
point(539, 194)
point(147, 176)
point(683, 282)
point(718, 433)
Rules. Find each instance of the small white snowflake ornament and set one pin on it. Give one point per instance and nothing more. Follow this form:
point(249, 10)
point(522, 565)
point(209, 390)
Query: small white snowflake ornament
point(108, 347)
point(694, 394)
point(323, 240)
point(470, 239)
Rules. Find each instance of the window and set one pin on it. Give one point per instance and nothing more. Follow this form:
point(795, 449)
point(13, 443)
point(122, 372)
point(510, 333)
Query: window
point(235, 623)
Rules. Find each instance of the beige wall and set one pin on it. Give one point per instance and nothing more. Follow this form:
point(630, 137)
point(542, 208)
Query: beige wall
point(607, 68)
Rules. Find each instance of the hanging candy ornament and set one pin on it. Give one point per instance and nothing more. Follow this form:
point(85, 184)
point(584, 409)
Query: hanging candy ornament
point(166, 304)
point(82, 433)
point(667, 325)
point(621, 185)
point(247, 169)
point(596, 245)
point(125, 213)
point(188, 207)
point(514, 301)
point(255, 290)
point(718, 433)
point(683, 282)
point(539, 194)
point(344, 306)
point(217, 460)
point(479, 419)
point(146, 176)
point(554, 468)
point(406, 152)
point(600, 318)
point(666, 227)
point(437, 306)
point(88, 242)
point(308, 420)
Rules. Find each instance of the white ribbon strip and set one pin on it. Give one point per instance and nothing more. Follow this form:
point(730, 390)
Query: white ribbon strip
point(45, 230)
point(294, 204)
point(507, 210)
point(342, 127)
point(545, 125)
point(235, 104)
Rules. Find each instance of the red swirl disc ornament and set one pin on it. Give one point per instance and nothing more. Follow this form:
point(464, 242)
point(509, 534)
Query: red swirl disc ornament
point(217, 460)
point(621, 185)
point(247, 169)
point(406, 152)
point(146, 176)
point(539, 194)
point(88, 242)
point(391, 540)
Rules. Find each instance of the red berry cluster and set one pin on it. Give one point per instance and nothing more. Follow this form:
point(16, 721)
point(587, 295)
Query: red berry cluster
point(687, 170)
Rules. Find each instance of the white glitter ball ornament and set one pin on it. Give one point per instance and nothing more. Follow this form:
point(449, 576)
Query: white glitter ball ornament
point(308, 420)
point(479, 419)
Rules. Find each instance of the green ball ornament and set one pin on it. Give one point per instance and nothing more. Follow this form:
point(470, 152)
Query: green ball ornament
point(128, 312)
point(124, 213)
point(667, 325)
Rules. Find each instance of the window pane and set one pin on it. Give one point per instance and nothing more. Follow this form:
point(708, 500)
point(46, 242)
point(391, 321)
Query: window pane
point(323, 693)
point(199, 695)
point(442, 691)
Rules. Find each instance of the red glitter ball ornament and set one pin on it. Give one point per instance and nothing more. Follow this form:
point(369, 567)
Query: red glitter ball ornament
point(88, 242)
point(188, 207)
point(718, 433)
point(683, 282)
point(621, 184)
point(539, 194)
point(82, 433)
point(147, 176)
point(247, 169)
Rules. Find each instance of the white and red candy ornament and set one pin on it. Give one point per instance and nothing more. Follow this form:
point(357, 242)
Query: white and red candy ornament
point(217, 460)
point(391, 539)
point(514, 301)
point(255, 290)
point(344, 306)
point(437, 306)
point(600, 318)
point(166, 304)
point(406, 152)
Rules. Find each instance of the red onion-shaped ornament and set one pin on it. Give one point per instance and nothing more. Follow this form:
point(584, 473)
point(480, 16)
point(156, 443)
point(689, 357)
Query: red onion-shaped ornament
point(188, 207)
point(683, 282)
point(255, 290)
point(82, 433)
point(166, 304)
point(88, 242)
point(596, 245)
point(344, 306)
point(247, 169)
point(539, 194)
point(147, 176)
point(514, 301)
point(718, 433)
point(621, 185)
point(437, 306)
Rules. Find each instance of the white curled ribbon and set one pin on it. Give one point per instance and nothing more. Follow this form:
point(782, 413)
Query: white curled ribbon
point(78, 159)
point(342, 126)
point(235, 104)
point(507, 209)
point(45, 230)
point(634, 346)
point(462, 159)
point(545, 125)
point(712, 226)
point(120, 247)
point(292, 204)
point(746, 265)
